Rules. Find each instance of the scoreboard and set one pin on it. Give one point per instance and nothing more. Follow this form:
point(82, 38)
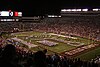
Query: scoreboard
point(10, 13)
point(10, 16)
point(6, 13)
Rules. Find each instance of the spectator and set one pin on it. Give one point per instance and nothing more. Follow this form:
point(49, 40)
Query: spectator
point(40, 59)
point(8, 56)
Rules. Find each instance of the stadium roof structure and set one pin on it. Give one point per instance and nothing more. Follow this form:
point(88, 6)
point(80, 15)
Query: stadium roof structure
point(80, 12)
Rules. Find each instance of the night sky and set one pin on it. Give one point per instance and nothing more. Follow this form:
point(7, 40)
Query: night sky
point(41, 7)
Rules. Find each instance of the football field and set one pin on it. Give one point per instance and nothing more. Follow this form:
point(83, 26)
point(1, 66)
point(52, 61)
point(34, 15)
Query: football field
point(55, 43)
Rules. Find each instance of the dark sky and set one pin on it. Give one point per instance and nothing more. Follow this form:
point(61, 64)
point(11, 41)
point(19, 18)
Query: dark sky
point(41, 7)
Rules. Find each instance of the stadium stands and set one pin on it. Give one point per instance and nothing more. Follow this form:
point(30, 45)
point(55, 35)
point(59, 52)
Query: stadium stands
point(86, 27)
point(20, 58)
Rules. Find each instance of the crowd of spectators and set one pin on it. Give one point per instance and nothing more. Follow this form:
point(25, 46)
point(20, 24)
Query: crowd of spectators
point(86, 27)
point(12, 57)
point(81, 26)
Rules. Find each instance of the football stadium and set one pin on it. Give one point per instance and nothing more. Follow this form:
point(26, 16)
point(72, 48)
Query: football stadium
point(75, 33)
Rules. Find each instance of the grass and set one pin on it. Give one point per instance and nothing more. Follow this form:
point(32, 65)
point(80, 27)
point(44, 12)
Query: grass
point(60, 47)
point(57, 48)
point(90, 54)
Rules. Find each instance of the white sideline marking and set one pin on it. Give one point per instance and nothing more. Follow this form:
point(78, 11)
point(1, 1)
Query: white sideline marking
point(63, 36)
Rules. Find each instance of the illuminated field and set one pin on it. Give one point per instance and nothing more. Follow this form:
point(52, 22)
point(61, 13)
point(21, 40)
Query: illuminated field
point(61, 42)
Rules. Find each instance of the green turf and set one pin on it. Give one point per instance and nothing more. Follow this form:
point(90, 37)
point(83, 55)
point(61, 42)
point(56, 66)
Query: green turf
point(60, 47)
point(90, 54)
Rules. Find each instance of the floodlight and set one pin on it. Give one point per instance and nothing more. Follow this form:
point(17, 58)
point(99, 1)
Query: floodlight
point(84, 9)
point(63, 10)
point(68, 10)
point(59, 16)
point(95, 9)
point(49, 16)
point(73, 10)
point(78, 9)
point(1, 19)
point(52, 16)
